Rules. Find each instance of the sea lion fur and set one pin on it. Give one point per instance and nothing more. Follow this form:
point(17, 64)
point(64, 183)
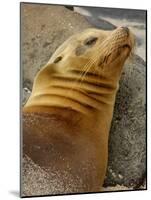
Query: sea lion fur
point(67, 119)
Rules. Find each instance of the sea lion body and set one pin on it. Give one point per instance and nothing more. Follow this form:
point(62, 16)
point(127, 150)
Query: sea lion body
point(67, 118)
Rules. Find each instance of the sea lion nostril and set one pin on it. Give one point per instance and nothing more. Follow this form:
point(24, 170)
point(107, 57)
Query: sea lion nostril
point(126, 29)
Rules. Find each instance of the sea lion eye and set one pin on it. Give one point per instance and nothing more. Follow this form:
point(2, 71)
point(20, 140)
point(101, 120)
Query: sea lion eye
point(90, 41)
point(57, 59)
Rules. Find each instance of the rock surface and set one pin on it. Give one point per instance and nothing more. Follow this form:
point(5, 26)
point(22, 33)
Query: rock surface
point(42, 31)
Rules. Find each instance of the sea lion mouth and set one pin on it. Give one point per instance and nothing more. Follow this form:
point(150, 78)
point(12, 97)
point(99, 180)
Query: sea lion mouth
point(126, 46)
point(112, 56)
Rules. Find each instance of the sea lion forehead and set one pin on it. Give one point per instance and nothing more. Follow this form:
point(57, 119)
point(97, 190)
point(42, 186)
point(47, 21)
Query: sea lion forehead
point(83, 36)
point(92, 32)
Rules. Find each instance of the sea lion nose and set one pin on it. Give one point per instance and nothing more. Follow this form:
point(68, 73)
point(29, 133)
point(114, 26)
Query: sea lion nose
point(126, 29)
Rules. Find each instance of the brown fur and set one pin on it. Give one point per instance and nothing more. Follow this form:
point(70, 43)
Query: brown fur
point(67, 118)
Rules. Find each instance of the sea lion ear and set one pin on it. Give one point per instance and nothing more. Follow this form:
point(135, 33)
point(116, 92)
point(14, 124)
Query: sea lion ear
point(57, 59)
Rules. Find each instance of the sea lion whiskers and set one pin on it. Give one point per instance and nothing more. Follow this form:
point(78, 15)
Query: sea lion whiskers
point(88, 65)
point(102, 46)
point(114, 50)
point(85, 69)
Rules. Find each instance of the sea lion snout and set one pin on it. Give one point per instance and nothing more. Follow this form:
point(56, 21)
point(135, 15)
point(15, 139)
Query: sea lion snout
point(128, 38)
point(126, 29)
point(116, 47)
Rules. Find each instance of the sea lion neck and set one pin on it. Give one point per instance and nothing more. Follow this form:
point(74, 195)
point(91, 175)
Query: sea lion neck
point(84, 94)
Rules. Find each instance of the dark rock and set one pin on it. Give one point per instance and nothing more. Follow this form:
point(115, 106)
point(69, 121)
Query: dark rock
point(127, 143)
point(27, 84)
point(117, 13)
point(70, 7)
point(100, 23)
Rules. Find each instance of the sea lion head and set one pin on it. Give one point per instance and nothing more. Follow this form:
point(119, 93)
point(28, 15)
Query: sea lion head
point(89, 62)
point(95, 51)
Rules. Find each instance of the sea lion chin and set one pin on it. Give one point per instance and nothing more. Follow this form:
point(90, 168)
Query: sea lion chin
point(67, 119)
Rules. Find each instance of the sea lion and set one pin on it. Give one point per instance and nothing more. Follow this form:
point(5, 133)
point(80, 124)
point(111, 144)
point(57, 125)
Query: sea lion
point(67, 119)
